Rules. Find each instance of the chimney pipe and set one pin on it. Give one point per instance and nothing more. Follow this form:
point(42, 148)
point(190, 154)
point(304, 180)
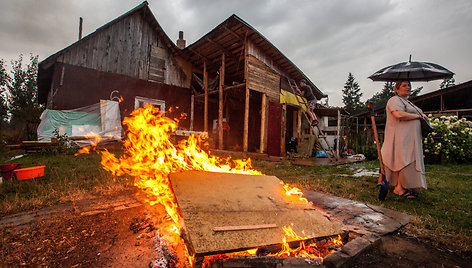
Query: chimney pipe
point(181, 41)
point(80, 27)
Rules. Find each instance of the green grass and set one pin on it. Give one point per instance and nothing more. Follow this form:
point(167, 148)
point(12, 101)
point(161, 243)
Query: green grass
point(442, 214)
point(67, 178)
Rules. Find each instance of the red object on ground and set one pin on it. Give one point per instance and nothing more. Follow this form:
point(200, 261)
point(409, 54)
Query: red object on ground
point(7, 169)
point(29, 173)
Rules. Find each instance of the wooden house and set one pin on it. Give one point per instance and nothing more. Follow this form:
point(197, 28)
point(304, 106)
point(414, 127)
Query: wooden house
point(228, 82)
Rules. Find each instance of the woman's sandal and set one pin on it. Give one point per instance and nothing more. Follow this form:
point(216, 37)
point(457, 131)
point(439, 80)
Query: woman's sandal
point(409, 195)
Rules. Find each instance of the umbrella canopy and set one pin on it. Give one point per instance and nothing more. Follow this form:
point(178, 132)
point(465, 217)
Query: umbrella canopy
point(412, 71)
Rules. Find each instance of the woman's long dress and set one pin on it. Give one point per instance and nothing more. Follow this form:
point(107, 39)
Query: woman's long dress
point(402, 150)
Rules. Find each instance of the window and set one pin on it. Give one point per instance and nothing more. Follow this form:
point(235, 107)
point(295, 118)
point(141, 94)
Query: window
point(140, 102)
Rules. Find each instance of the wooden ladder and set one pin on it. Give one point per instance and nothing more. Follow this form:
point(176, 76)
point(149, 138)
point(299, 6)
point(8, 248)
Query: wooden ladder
point(320, 136)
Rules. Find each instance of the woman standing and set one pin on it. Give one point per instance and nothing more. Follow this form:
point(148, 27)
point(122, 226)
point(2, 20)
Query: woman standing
point(402, 150)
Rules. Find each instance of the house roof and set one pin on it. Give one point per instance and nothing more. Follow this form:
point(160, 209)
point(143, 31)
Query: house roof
point(142, 9)
point(229, 37)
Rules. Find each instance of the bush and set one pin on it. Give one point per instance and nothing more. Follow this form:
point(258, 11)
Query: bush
point(450, 141)
point(369, 151)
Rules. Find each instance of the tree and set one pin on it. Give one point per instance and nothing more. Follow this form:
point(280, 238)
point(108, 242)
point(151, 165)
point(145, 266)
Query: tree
point(23, 97)
point(447, 83)
point(352, 96)
point(3, 94)
point(381, 98)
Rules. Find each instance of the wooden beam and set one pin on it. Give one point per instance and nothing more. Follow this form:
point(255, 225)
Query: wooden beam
point(223, 49)
point(220, 103)
point(235, 34)
point(338, 134)
point(205, 87)
point(225, 88)
point(246, 103)
point(205, 59)
point(283, 130)
point(299, 124)
point(263, 123)
point(243, 227)
point(192, 109)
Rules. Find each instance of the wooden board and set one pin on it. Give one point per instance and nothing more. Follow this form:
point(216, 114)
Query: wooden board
point(208, 200)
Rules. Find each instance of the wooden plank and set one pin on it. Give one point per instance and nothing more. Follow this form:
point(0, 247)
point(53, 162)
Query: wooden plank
point(283, 130)
point(192, 111)
point(246, 103)
point(243, 227)
point(299, 124)
point(208, 200)
point(205, 87)
point(220, 102)
point(263, 123)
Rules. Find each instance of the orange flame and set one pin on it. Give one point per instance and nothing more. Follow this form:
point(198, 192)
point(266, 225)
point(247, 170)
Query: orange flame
point(312, 250)
point(294, 191)
point(150, 157)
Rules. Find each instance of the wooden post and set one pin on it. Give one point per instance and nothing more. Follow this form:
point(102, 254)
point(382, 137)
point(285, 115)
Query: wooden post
point(220, 103)
point(192, 110)
point(299, 124)
point(263, 122)
point(246, 103)
point(205, 87)
point(283, 130)
point(338, 134)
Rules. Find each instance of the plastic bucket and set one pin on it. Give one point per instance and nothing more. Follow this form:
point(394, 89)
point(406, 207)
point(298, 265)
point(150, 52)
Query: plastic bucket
point(7, 169)
point(29, 173)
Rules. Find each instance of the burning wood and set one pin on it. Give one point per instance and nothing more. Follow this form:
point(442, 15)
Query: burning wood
point(150, 157)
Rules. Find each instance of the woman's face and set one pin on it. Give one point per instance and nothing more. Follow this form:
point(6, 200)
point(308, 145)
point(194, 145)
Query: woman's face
point(404, 90)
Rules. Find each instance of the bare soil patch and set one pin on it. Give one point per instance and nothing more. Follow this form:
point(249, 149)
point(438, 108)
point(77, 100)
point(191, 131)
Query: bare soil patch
point(125, 238)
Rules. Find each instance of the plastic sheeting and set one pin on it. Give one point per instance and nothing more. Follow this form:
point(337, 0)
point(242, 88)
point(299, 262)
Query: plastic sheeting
point(102, 120)
point(290, 98)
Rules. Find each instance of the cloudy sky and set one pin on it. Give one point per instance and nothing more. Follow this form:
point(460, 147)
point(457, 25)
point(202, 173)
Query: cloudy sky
point(326, 39)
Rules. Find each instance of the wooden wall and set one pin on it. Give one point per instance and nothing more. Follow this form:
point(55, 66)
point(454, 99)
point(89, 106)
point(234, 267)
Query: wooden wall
point(129, 47)
point(75, 87)
point(263, 79)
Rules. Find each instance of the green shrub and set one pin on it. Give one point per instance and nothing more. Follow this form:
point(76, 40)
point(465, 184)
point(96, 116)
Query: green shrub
point(450, 141)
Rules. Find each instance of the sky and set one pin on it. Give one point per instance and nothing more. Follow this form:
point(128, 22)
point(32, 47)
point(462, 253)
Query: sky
point(326, 39)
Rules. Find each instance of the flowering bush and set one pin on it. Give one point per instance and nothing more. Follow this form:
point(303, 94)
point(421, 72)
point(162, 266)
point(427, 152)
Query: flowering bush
point(451, 139)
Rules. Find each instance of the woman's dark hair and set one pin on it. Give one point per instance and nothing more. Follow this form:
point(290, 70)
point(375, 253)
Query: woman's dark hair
point(398, 84)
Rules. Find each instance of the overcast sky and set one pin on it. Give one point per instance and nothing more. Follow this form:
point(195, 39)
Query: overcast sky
point(326, 39)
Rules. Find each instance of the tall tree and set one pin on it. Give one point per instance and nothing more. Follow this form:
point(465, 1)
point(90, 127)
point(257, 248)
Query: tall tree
point(352, 96)
point(381, 98)
point(3, 94)
point(23, 97)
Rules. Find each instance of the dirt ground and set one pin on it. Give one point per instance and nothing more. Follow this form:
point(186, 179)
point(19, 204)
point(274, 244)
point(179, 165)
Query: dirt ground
point(125, 238)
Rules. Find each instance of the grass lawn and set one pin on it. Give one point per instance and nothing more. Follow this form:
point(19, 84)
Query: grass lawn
point(442, 214)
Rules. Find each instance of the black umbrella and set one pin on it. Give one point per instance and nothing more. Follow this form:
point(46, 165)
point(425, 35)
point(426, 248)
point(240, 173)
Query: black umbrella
point(412, 71)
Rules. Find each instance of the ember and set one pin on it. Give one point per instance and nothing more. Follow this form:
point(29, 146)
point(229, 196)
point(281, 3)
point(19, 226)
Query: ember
point(150, 157)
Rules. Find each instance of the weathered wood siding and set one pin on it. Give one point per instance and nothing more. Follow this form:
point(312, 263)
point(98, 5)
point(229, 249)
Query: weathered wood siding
point(268, 60)
point(129, 47)
point(263, 79)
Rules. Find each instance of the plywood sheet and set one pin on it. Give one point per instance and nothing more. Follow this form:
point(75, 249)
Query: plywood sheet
point(208, 200)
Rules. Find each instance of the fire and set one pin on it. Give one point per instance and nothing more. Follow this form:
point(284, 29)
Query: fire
point(294, 191)
point(311, 250)
point(150, 156)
